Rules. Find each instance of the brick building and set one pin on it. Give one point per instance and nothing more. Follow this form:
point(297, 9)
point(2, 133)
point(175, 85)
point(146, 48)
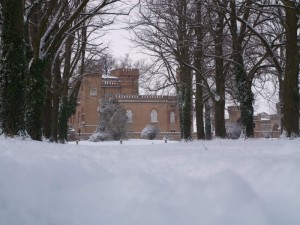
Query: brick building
point(122, 84)
point(265, 125)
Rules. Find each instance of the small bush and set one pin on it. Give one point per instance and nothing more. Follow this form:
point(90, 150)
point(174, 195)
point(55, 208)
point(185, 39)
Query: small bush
point(100, 136)
point(234, 130)
point(150, 132)
point(113, 121)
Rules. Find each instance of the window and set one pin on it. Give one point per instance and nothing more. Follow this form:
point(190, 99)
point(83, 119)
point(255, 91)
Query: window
point(78, 117)
point(129, 115)
point(172, 117)
point(93, 91)
point(83, 117)
point(153, 116)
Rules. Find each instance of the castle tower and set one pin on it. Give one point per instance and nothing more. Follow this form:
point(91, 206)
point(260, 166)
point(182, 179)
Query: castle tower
point(234, 113)
point(129, 80)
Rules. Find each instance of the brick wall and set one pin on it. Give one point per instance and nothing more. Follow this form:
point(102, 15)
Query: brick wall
point(123, 84)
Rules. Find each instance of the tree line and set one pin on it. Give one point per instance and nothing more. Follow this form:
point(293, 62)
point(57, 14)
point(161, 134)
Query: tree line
point(215, 51)
point(211, 51)
point(44, 51)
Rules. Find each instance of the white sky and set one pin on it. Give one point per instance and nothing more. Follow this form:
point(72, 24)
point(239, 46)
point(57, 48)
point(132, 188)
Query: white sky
point(120, 45)
point(119, 38)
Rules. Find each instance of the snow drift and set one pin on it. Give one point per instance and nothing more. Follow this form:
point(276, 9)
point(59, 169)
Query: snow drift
point(143, 182)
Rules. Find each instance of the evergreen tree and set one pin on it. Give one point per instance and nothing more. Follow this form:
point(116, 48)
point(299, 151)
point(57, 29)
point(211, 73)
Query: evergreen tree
point(68, 108)
point(113, 120)
point(13, 68)
point(35, 96)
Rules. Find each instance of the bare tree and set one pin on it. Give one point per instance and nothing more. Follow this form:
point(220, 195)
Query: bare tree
point(49, 26)
point(218, 34)
point(281, 50)
point(200, 32)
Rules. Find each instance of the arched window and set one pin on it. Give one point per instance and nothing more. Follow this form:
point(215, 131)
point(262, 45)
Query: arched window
point(129, 115)
point(172, 117)
point(153, 116)
point(82, 115)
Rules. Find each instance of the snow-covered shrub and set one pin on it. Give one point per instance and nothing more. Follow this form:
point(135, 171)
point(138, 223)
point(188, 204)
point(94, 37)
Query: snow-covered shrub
point(100, 136)
point(233, 130)
point(113, 121)
point(150, 132)
point(284, 135)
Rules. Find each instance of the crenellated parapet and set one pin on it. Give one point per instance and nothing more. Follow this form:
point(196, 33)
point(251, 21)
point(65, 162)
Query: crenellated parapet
point(142, 97)
point(110, 83)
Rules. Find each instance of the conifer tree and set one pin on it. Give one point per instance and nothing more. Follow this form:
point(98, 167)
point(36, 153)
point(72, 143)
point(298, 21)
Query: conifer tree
point(113, 119)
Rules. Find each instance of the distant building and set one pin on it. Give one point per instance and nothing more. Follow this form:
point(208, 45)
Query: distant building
point(122, 84)
point(265, 125)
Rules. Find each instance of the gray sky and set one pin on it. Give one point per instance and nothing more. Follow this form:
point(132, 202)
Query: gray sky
point(120, 45)
point(118, 37)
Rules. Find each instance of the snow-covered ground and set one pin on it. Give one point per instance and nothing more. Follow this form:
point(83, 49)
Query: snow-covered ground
point(220, 182)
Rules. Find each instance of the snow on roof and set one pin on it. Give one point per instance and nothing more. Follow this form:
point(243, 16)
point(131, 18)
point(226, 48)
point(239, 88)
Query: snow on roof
point(109, 77)
point(264, 116)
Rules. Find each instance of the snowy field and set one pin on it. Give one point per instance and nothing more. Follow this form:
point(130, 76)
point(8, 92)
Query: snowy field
point(220, 182)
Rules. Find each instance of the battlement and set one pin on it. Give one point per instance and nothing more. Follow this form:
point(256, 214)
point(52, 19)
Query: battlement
point(110, 83)
point(125, 72)
point(128, 69)
point(143, 97)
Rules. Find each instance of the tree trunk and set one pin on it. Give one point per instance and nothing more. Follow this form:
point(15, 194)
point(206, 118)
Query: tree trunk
point(47, 107)
point(208, 133)
point(220, 130)
point(35, 96)
point(13, 68)
point(180, 106)
point(244, 93)
point(187, 109)
point(69, 101)
point(185, 105)
point(63, 114)
point(63, 120)
point(199, 106)
point(291, 82)
point(56, 98)
point(185, 72)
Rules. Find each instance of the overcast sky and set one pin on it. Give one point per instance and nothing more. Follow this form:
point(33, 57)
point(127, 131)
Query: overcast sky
point(118, 38)
point(120, 45)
